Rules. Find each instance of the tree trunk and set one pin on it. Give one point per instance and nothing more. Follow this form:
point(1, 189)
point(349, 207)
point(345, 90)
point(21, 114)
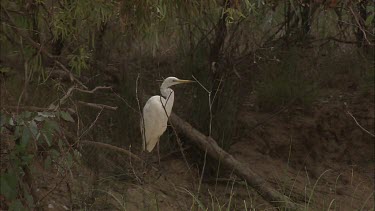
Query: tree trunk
point(305, 18)
point(241, 169)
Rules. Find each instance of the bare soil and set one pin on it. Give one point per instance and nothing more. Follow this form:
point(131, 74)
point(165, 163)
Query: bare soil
point(321, 146)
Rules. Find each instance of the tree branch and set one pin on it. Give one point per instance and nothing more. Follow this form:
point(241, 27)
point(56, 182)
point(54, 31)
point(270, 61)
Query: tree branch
point(93, 90)
point(98, 106)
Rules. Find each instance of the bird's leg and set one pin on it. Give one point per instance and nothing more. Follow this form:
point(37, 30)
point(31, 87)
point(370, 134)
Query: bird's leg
point(147, 162)
point(144, 164)
point(158, 152)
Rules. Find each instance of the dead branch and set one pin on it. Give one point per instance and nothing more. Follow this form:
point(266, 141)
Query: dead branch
point(31, 108)
point(63, 99)
point(93, 90)
point(241, 169)
point(34, 108)
point(113, 148)
point(342, 41)
point(98, 106)
point(69, 93)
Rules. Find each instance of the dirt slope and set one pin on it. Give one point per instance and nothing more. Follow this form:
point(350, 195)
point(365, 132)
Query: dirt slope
point(321, 145)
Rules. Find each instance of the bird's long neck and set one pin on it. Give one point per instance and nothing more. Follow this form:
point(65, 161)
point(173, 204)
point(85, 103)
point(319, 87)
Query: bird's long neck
point(168, 94)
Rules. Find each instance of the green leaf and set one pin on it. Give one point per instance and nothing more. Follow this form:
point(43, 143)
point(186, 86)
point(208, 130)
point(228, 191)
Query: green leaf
point(29, 199)
point(8, 185)
point(46, 114)
point(54, 154)
point(17, 132)
point(19, 120)
point(25, 136)
point(48, 138)
point(38, 137)
point(26, 159)
point(370, 19)
point(33, 128)
point(25, 115)
point(69, 160)
point(5, 69)
point(11, 121)
point(77, 156)
point(66, 116)
point(60, 143)
point(16, 206)
point(47, 162)
point(52, 125)
point(39, 118)
point(3, 119)
point(48, 130)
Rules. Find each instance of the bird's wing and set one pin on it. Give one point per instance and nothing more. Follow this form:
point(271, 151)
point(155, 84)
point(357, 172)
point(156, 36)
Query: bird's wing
point(155, 121)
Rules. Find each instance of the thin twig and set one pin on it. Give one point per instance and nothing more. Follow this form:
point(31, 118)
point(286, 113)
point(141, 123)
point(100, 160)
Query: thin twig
point(31, 108)
point(143, 129)
point(175, 132)
point(93, 90)
point(202, 173)
point(52, 189)
point(126, 103)
point(200, 84)
point(357, 123)
point(26, 78)
point(118, 149)
point(210, 103)
point(92, 124)
point(181, 148)
point(360, 26)
point(218, 87)
point(63, 99)
point(98, 106)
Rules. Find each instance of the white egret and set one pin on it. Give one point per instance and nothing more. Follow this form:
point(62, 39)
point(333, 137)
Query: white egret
point(156, 112)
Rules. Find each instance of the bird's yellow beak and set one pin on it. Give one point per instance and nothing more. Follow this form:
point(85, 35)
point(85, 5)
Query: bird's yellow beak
point(184, 81)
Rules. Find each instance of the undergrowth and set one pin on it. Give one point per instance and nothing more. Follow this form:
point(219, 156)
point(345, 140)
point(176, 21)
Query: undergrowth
point(285, 82)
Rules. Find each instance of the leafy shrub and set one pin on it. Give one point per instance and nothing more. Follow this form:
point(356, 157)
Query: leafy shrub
point(24, 132)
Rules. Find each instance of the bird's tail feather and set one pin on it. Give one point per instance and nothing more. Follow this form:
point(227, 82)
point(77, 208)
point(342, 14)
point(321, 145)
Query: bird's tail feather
point(151, 144)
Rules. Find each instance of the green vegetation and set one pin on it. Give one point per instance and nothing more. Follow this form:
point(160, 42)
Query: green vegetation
point(24, 133)
point(286, 82)
point(78, 71)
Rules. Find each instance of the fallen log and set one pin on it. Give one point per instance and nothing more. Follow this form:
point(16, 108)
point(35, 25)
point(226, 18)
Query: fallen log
point(241, 169)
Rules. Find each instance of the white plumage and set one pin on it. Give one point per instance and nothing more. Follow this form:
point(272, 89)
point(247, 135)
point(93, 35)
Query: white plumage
point(156, 112)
